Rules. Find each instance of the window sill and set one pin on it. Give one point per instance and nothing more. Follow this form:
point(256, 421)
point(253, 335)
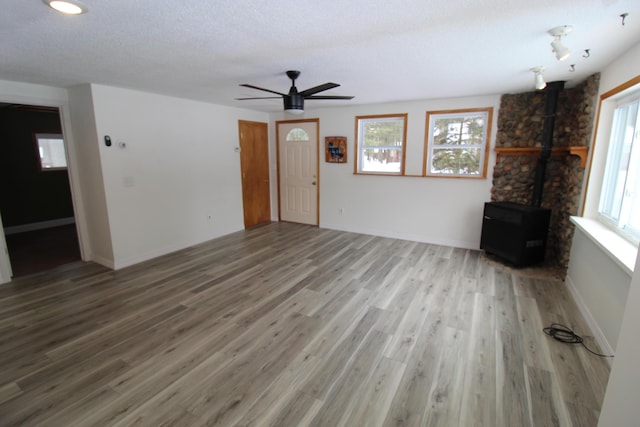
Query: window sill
point(620, 250)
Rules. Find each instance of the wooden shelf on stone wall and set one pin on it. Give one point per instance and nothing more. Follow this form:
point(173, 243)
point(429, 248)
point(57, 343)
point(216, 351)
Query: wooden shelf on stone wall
point(576, 150)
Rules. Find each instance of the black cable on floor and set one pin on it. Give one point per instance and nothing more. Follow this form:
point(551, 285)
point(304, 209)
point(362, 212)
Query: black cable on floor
point(565, 335)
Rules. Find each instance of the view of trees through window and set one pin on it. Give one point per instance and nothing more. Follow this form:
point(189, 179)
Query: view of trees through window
point(381, 143)
point(457, 143)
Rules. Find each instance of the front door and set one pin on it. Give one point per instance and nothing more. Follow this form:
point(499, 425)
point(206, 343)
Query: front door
point(298, 170)
point(254, 162)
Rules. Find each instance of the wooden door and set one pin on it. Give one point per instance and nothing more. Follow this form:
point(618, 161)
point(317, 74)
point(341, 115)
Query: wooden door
point(254, 163)
point(298, 170)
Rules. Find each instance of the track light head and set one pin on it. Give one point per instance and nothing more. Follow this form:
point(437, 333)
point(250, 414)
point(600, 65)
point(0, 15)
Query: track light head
point(558, 48)
point(539, 79)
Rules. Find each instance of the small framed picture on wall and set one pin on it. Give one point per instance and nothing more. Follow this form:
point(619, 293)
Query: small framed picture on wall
point(335, 148)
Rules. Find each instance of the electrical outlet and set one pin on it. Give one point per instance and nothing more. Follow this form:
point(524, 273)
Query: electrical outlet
point(209, 217)
point(340, 211)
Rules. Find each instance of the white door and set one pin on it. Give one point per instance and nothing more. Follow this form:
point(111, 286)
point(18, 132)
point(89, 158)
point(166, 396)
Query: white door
point(298, 171)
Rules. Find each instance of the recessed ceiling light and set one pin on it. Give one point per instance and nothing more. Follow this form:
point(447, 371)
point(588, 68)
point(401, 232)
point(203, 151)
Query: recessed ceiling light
point(69, 7)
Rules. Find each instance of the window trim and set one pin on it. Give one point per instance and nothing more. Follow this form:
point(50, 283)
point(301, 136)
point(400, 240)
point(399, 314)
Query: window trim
point(484, 163)
point(49, 135)
point(356, 165)
point(600, 144)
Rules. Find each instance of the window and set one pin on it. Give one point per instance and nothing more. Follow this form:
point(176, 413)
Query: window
point(51, 151)
point(380, 142)
point(619, 201)
point(297, 134)
point(457, 142)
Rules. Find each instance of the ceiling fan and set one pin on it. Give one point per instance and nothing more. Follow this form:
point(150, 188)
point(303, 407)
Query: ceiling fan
point(294, 100)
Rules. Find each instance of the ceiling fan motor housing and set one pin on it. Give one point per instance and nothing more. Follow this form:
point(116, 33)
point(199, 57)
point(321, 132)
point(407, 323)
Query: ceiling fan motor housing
point(293, 102)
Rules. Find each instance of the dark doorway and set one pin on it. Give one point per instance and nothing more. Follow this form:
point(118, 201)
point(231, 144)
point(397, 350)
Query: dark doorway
point(35, 194)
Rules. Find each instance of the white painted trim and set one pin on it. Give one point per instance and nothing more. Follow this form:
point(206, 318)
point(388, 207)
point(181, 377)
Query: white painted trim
point(103, 261)
point(5, 264)
point(406, 236)
point(127, 262)
point(598, 335)
point(620, 250)
point(15, 229)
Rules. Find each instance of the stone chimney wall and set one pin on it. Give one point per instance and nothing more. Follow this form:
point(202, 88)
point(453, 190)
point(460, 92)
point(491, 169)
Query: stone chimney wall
point(520, 122)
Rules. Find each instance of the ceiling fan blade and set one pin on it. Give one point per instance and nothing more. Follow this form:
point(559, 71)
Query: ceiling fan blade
point(328, 97)
point(317, 89)
point(261, 88)
point(259, 97)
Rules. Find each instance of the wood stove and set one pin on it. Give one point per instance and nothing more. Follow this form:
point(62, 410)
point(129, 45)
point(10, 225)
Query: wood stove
point(515, 233)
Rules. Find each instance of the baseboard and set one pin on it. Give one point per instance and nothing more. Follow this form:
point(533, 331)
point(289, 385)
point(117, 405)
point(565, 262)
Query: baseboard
point(23, 228)
point(406, 236)
point(593, 325)
point(103, 261)
point(128, 262)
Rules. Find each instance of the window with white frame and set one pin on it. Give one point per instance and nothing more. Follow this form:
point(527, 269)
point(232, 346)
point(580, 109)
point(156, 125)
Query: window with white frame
point(380, 144)
point(619, 200)
point(51, 151)
point(457, 142)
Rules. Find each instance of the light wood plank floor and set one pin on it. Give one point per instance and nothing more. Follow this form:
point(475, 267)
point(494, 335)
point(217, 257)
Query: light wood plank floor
point(290, 325)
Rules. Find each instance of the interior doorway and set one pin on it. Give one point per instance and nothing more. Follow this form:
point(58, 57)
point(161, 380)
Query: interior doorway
point(298, 178)
point(36, 204)
point(254, 163)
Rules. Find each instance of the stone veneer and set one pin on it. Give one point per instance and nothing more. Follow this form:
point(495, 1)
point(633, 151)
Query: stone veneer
point(520, 122)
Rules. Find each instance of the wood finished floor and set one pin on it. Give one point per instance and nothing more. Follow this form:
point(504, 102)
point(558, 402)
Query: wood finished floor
point(290, 325)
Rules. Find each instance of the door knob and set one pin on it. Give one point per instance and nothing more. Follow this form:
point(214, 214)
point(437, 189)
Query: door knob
point(313, 183)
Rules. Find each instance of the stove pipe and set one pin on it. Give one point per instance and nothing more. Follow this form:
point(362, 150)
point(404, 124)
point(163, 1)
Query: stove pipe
point(550, 103)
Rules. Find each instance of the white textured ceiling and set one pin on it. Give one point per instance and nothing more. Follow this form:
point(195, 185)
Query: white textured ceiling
point(378, 50)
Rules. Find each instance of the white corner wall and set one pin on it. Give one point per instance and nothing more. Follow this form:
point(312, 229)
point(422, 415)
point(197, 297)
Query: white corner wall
point(599, 284)
point(172, 165)
point(90, 169)
point(446, 211)
point(620, 406)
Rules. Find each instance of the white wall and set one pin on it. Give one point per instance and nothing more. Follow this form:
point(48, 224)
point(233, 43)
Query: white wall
point(624, 68)
point(445, 211)
point(178, 167)
point(620, 407)
point(601, 285)
point(95, 207)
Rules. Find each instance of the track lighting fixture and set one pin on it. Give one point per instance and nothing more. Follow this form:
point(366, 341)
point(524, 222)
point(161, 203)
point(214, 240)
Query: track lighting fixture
point(539, 79)
point(556, 45)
